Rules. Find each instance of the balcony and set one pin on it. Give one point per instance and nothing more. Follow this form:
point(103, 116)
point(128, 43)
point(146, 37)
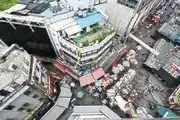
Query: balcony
point(95, 36)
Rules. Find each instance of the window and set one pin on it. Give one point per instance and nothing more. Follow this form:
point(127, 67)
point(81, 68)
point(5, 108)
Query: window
point(9, 107)
point(14, 85)
point(41, 99)
point(26, 104)
point(26, 61)
point(94, 25)
point(83, 31)
point(11, 119)
point(14, 66)
point(36, 78)
point(4, 92)
point(21, 109)
point(35, 96)
point(42, 83)
point(60, 32)
point(27, 92)
point(37, 68)
point(25, 70)
point(43, 75)
point(29, 110)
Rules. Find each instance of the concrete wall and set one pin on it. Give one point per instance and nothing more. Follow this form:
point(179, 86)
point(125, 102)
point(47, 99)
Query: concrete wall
point(119, 15)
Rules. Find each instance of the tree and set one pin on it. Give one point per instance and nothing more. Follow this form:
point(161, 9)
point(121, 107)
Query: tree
point(5, 4)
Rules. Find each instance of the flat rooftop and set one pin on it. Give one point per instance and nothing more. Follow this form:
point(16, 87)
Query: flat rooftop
point(38, 8)
point(12, 69)
point(22, 104)
point(165, 49)
point(75, 27)
point(100, 112)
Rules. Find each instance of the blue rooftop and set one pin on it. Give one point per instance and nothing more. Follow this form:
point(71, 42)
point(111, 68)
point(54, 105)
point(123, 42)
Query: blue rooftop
point(90, 19)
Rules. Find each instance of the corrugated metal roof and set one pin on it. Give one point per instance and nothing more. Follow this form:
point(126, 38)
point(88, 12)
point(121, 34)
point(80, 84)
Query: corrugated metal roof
point(73, 30)
point(65, 92)
point(61, 104)
point(90, 19)
point(98, 73)
point(86, 79)
point(86, 109)
point(109, 113)
point(100, 112)
point(64, 102)
point(54, 113)
point(59, 25)
point(165, 50)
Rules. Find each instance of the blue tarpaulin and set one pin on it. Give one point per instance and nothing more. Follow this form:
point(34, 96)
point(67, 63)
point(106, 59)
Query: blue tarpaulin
point(90, 19)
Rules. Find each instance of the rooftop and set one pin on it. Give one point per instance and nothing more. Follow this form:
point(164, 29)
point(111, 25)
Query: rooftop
point(165, 50)
point(21, 105)
point(61, 104)
point(83, 30)
point(171, 30)
point(14, 66)
point(89, 19)
point(100, 112)
point(173, 65)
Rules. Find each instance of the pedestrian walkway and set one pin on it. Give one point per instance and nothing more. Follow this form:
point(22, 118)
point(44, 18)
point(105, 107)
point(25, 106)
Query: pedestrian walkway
point(144, 44)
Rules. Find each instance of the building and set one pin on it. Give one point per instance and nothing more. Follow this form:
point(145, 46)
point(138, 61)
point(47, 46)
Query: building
point(23, 24)
point(19, 100)
point(131, 12)
point(81, 38)
point(170, 72)
point(61, 104)
point(174, 98)
point(166, 64)
point(165, 50)
point(170, 29)
point(100, 112)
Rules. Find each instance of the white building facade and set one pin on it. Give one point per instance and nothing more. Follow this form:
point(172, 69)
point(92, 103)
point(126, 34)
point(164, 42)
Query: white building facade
point(82, 40)
point(19, 101)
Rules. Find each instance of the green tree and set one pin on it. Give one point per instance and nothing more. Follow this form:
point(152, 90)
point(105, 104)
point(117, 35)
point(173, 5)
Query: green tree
point(5, 4)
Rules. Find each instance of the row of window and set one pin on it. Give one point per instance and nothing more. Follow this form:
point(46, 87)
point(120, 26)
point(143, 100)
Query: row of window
point(87, 53)
point(26, 61)
point(86, 61)
point(25, 70)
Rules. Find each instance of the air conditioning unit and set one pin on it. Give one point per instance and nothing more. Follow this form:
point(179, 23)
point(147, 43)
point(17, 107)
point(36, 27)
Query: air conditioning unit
point(79, 13)
point(54, 6)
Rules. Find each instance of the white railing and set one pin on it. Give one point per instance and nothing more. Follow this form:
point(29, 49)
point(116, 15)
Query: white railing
point(96, 46)
point(96, 54)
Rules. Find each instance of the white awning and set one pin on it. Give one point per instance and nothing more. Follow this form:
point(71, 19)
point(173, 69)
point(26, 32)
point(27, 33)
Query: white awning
point(15, 8)
point(63, 24)
point(72, 30)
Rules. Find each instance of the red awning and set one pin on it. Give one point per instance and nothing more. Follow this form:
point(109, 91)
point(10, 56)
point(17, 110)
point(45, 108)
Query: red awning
point(86, 80)
point(98, 73)
point(59, 66)
point(70, 72)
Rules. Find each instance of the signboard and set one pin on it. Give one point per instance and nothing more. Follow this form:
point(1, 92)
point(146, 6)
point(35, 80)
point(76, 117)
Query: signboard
point(175, 67)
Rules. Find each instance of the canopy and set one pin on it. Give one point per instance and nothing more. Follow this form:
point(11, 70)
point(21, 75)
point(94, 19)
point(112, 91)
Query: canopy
point(90, 19)
point(73, 30)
